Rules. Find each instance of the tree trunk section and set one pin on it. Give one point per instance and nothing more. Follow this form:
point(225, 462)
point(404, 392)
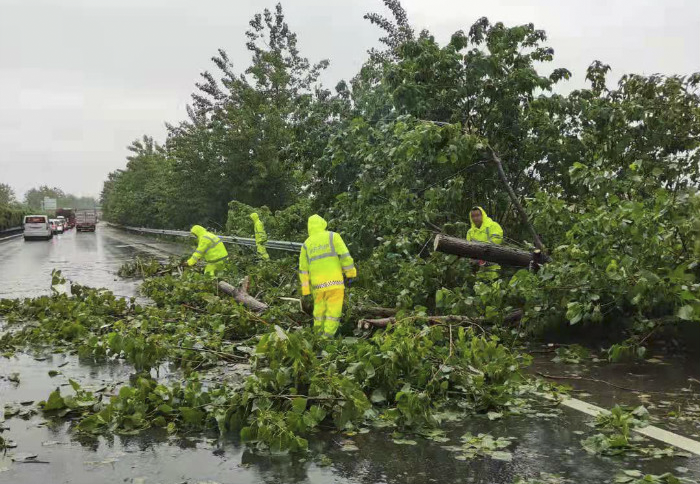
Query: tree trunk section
point(241, 296)
point(506, 256)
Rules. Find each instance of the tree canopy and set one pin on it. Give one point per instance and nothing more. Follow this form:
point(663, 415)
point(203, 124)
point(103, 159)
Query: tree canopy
point(609, 175)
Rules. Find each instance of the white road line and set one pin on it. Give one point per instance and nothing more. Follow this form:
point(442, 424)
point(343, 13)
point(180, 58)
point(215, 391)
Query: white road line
point(656, 433)
point(10, 237)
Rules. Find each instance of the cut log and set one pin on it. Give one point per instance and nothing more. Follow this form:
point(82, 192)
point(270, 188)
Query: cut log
point(506, 256)
point(511, 318)
point(377, 311)
point(241, 295)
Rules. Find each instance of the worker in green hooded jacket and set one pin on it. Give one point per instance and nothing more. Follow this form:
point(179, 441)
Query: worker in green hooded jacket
point(260, 236)
point(211, 248)
point(484, 229)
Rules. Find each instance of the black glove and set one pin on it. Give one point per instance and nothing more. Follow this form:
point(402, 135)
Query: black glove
point(349, 281)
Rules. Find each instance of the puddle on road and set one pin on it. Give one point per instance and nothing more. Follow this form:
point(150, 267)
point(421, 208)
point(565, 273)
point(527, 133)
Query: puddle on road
point(549, 443)
point(667, 386)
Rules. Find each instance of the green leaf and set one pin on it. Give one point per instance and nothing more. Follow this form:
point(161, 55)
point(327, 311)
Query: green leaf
point(54, 402)
point(192, 416)
point(378, 396)
point(686, 312)
point(299, 405)
point(74, 384)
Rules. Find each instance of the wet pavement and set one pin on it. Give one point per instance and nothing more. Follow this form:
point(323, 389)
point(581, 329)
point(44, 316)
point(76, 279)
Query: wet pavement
point(548, 441)
point(87, 258)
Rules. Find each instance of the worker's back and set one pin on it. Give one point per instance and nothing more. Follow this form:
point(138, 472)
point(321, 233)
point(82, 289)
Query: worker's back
point(323, 255)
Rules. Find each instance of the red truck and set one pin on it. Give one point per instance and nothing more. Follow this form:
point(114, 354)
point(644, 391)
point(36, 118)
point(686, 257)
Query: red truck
point(68, 214)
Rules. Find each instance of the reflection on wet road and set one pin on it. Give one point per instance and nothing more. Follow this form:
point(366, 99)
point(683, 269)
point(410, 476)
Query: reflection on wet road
point(87, 258)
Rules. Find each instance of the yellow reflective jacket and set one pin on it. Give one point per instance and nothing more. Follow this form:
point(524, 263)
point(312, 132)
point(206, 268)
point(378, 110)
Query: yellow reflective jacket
point(209, 246)
point(324, 259)
point(260, 234)
point(489, 231)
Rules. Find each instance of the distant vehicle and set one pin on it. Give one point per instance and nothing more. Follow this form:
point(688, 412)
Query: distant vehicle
point(37, 227)
point(63, 221)
point(68, 214)
point(56, 226)
point(85, 220)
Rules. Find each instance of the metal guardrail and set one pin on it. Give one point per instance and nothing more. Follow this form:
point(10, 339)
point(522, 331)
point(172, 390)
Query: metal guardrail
point(271, 244)
point(11, 233)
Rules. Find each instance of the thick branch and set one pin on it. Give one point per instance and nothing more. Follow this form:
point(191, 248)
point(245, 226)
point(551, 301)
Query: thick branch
point(488, 252)
point(516, 202)
point(241, 296)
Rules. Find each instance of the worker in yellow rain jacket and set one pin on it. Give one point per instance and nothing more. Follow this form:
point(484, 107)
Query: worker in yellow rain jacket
point(325, 266)
point(211, 248)
point(484, 229)
point(260, 236)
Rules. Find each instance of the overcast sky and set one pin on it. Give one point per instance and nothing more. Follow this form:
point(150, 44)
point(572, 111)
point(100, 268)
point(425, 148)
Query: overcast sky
point(81, 79)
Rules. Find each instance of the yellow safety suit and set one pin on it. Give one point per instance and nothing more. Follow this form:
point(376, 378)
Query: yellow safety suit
point(211, 248)
point(489, 232)
point(324, 263)
point(260, 236)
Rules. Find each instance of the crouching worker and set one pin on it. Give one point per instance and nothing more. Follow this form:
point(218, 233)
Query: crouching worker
point(211, 248)
point(325, 266)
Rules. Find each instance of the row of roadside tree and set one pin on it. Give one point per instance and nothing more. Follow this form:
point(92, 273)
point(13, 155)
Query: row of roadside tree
point(608, 173)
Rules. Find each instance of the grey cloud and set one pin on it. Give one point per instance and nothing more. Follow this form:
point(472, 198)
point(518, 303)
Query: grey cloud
point(80, 79)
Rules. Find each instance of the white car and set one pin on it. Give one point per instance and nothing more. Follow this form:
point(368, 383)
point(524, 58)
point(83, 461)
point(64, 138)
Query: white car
point(56, 226)
point(37, 227)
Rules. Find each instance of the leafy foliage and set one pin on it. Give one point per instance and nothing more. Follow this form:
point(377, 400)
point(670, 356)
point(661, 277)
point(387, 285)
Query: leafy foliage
point(406, 377)
point(609, 175)
point(638, 477)
point(617, 438)
point(11, 217)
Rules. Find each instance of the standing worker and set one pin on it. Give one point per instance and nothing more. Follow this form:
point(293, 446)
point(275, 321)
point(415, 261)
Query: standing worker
point(260, 236)
point(211, 248)
point(484, 229)
point(325, 266)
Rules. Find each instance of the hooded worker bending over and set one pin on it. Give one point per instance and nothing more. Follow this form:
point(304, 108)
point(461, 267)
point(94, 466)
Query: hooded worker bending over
point(211, 248)
point(324, 265)
point(484, 229)
point(260, 236)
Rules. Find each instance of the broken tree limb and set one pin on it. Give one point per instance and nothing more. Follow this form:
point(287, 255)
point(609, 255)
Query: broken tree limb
point(241, 295)
point(459, 320)
point(499, 254)
point(513, 197)
point(377, 311)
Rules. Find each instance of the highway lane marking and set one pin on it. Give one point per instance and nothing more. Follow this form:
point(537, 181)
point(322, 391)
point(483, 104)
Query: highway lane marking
point(10, 237)
point(651, 431)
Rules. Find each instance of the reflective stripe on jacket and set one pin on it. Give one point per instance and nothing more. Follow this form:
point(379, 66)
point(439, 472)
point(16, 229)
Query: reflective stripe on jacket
point(209, 246)
point(324, 260)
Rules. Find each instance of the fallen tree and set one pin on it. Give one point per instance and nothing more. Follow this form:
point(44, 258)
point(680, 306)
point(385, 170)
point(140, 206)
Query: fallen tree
point(499, 254)
point(240, 294)
point(459, 320)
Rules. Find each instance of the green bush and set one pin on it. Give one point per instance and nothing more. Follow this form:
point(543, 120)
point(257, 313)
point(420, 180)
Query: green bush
point(11, 217)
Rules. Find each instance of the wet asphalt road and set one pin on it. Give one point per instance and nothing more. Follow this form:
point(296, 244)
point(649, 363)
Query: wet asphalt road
point(546, 443)
point(86, 258)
